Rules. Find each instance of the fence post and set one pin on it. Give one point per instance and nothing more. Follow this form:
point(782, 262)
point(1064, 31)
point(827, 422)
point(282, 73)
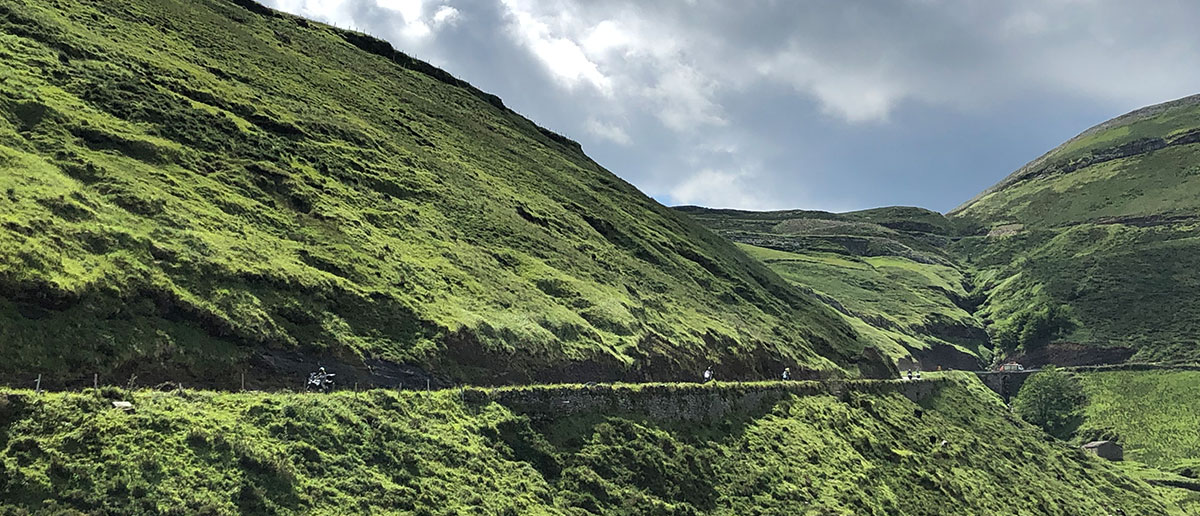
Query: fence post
point(243, 380)
point(38, 388)
point(427, 385)
point(95, 380)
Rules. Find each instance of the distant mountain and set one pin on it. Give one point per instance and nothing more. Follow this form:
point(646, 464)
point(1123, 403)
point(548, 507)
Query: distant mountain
point(1095, 245)
point(197, 189)
point(887, 271)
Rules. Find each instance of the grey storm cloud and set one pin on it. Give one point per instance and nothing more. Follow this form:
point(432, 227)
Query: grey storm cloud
point(802, 104)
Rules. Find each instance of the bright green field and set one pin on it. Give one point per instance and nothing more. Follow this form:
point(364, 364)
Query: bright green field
point(187, 185)
point(899, 304)
point(1155, 415)
point(414, 453)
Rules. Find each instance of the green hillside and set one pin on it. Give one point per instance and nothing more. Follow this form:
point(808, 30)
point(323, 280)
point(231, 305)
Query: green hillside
point(871, 451)
point(1095, 245)
point(886, 270)
point(1140, 165)
point(1155, 414)
point(195, 189)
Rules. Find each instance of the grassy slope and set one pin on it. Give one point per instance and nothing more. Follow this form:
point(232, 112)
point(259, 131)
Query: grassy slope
point(1105, 224)
point(417, 453)
point(1155, 414)
point(185, 185)
point(1106, 171)
point(885, 268)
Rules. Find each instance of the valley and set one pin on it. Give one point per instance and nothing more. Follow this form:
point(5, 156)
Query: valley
point(203, 201)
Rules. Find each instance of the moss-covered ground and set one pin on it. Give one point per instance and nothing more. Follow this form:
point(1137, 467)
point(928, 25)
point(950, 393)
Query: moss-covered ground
point(1142, 164)
point(186, 452)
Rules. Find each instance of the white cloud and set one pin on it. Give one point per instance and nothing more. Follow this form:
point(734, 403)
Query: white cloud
point(686, 99)
point(336, 12)
point(445, 15)
point(605, 37)
point(637, 65)
point(410, 21)
point(720, 189)
point(610, 132)
point(559, 54)
point(410, 10)
point(852, 93)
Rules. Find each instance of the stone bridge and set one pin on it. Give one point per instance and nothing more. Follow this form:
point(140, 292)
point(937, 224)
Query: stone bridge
point(1005, 383)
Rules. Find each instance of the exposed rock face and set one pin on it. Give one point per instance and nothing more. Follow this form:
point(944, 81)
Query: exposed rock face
point(941, 356)
point(1106, 450)
point(1068, 354)
point(874, 365)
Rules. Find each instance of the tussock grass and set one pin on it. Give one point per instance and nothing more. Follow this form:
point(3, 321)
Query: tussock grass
point(432, 453)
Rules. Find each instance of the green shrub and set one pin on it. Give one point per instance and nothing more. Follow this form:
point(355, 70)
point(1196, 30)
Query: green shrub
point(1034, 328)
point(1052, 400)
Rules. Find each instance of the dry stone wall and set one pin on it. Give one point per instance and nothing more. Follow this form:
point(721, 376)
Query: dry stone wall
point(684, 402)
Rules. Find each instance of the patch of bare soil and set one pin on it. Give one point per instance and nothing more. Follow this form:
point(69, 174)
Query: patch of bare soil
point(942, 356)
point(1068, 354)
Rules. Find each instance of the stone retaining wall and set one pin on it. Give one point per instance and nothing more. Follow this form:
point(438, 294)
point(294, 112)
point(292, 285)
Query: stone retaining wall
point(684, 402)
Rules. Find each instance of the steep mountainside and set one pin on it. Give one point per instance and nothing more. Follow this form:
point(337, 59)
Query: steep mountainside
point(195, 189)
point(1096, 244)
point(886, 270)
point(777, 449)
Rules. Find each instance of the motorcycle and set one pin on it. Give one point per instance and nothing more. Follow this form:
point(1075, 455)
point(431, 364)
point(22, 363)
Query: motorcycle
point(319, 382)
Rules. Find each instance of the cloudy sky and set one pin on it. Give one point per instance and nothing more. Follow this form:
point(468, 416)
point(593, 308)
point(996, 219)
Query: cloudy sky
point(816, 104)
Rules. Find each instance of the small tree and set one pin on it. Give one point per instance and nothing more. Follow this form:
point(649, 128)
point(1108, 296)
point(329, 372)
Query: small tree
point(1045, 324)
point(1034, 327)
point(1052, 400)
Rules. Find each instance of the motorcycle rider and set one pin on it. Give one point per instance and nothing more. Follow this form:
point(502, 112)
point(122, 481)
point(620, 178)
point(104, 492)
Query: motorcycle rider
point(321, 380)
